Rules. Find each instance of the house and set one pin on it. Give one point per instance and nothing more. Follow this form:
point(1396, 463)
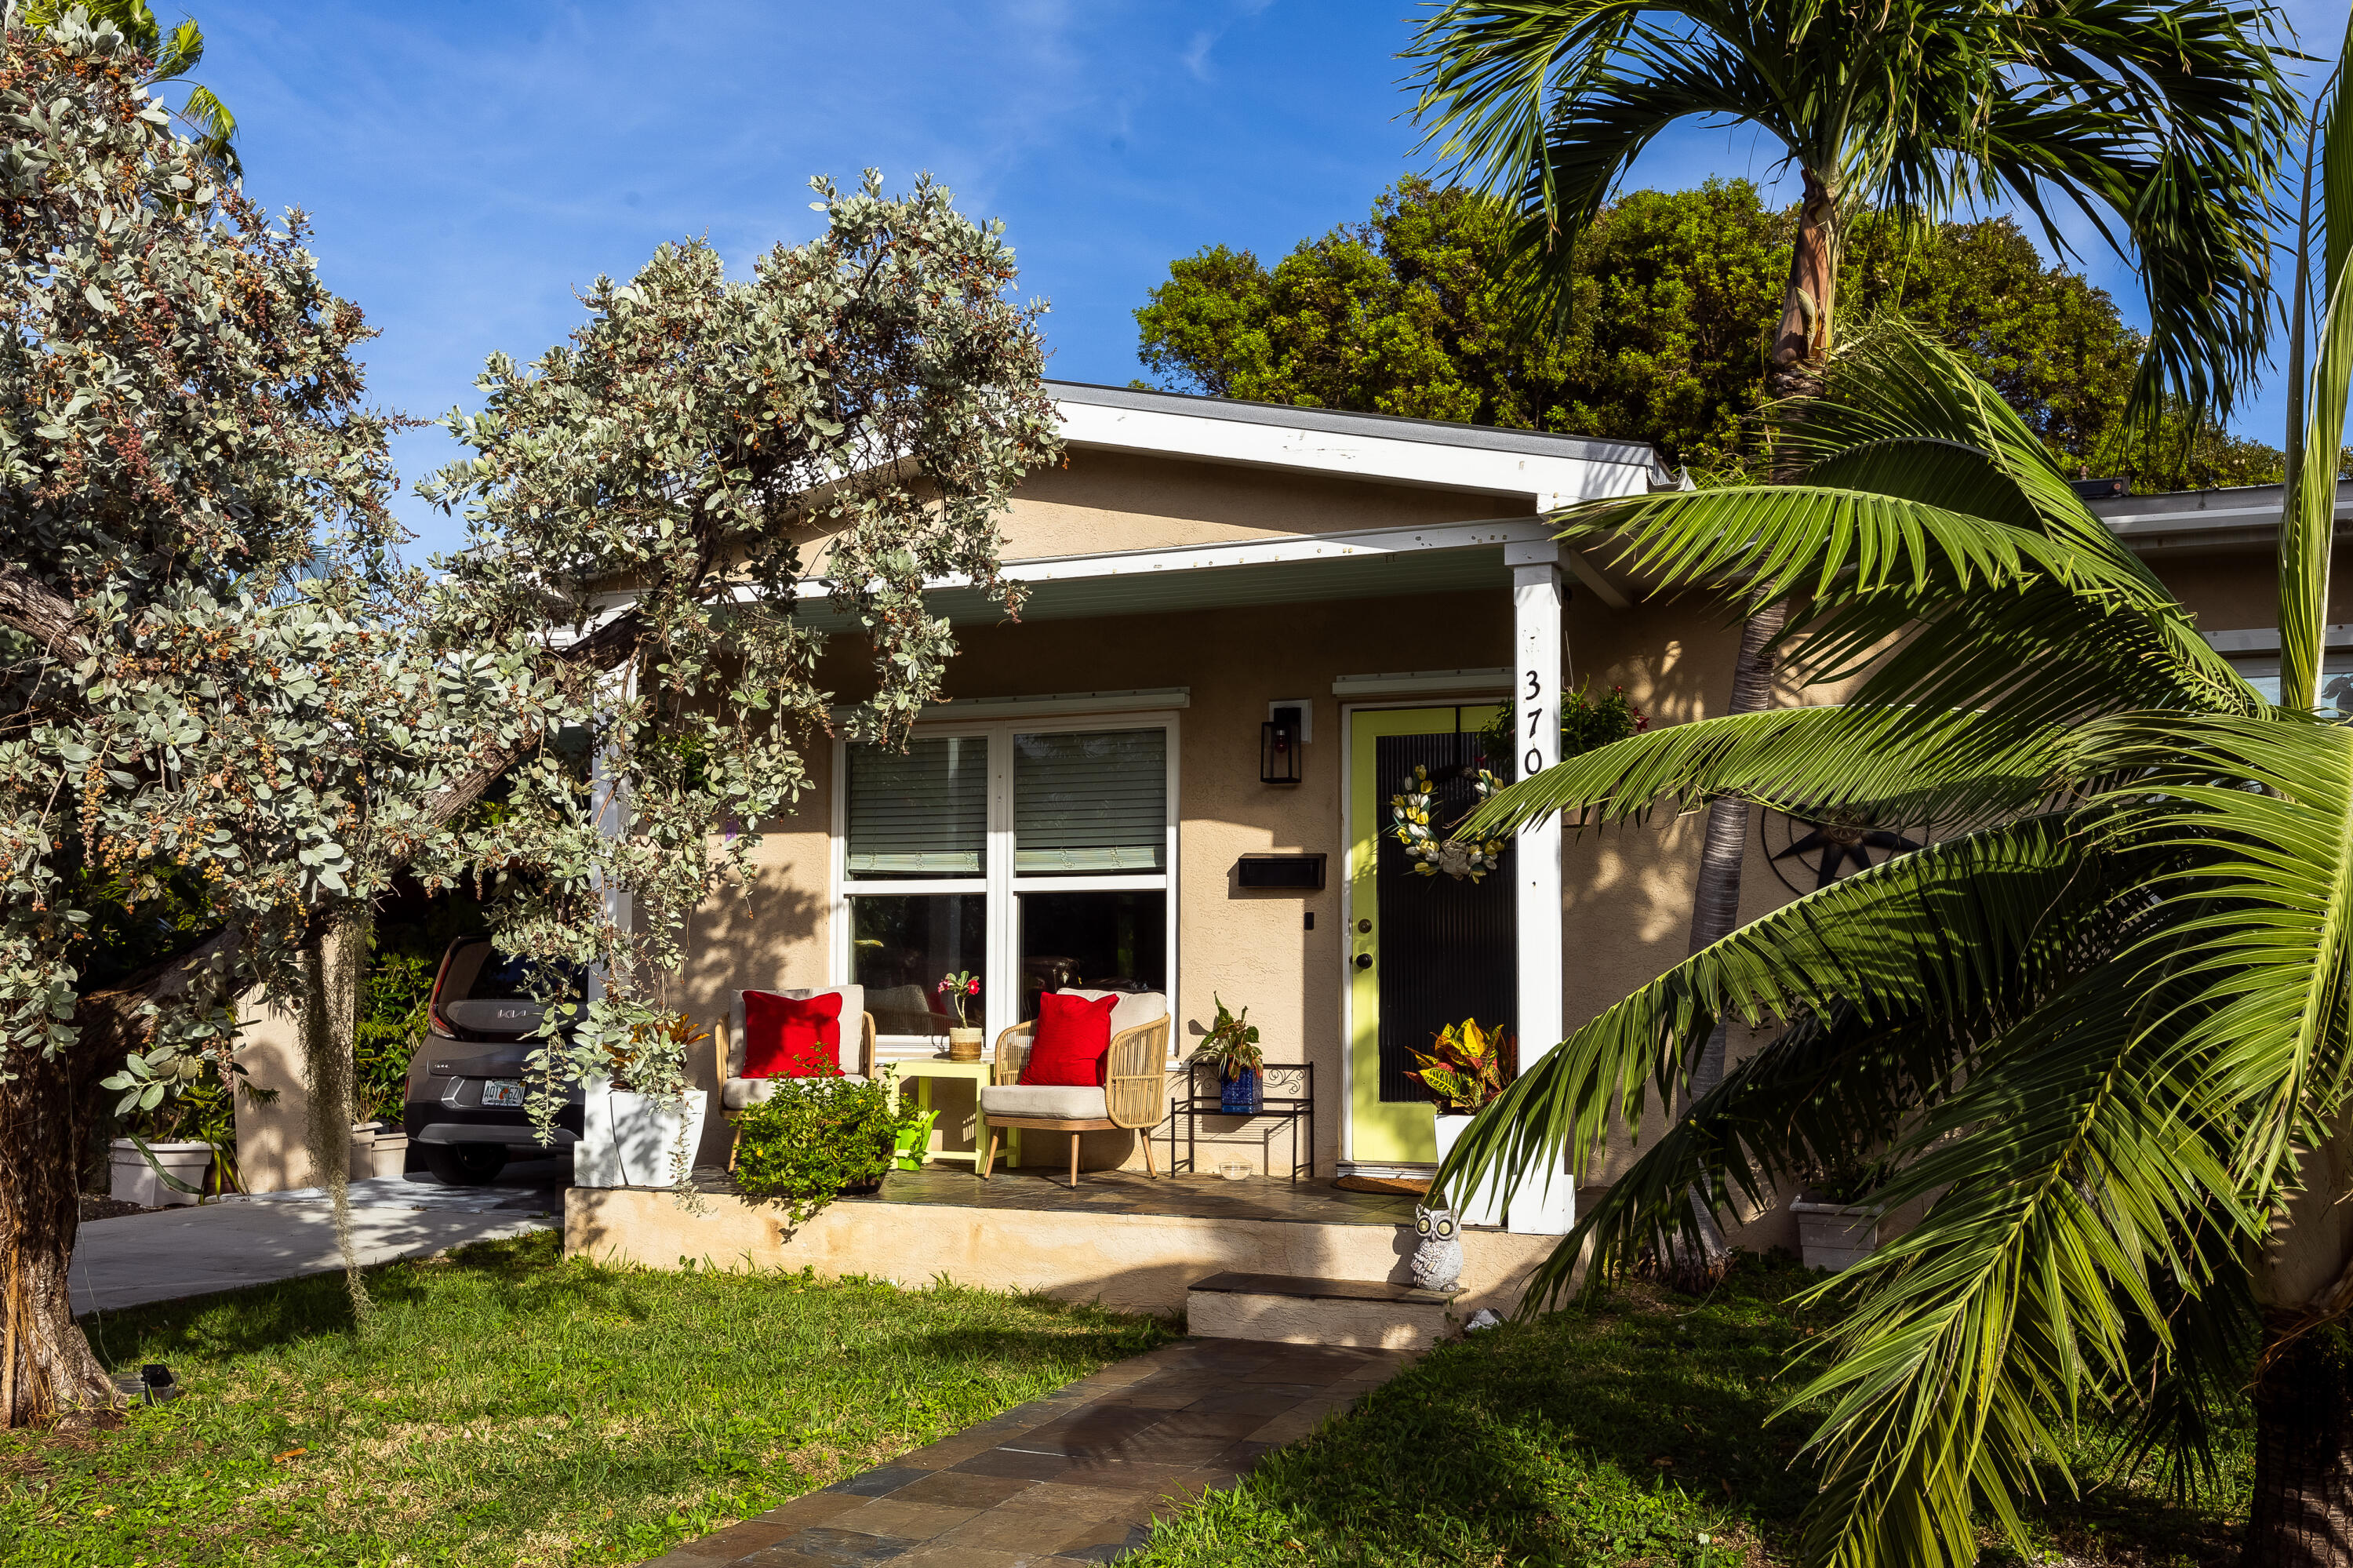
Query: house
point(1246, 626)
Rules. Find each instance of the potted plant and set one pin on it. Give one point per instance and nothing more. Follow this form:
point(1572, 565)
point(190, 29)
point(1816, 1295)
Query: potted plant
point(911, 1145)
point(965, 1040)
point(632, 1139)
point(1232, 1044)
point(813, 1139)
point(1837, 1227)
point(1466, 1067)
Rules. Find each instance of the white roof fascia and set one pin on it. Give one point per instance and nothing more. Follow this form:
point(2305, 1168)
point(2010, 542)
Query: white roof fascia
point(1245, 553)
point(1151, 432)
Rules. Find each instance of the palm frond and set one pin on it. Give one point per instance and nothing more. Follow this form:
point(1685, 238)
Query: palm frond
point(1951, 767)
point(1912, 937)
point(2262, 810)
point(2309, 512)
point(2074, 1155)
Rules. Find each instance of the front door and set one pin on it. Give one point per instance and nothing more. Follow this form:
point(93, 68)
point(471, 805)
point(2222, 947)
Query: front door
point(1424, 951)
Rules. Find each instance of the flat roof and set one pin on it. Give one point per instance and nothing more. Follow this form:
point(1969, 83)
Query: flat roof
point(1382, 427)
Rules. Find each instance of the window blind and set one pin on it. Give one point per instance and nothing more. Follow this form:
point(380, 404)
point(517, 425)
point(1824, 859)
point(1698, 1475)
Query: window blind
point(921, 812)
point(1092, 801)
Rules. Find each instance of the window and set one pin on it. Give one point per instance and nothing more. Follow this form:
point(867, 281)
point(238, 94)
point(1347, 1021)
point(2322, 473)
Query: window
point(2263, 672)
point(1034, 855)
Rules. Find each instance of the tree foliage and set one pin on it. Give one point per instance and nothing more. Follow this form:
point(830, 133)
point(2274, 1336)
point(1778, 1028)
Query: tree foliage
point(659, 496)
point(1673, 301)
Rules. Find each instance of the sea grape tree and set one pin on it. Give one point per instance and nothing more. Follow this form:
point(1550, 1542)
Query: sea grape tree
point(209, 678)
point(652, 503)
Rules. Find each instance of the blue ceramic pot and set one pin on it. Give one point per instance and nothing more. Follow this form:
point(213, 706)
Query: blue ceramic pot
point(1244, 1096)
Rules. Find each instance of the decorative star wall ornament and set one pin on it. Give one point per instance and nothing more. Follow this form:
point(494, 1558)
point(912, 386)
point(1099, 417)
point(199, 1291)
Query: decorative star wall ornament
point(1832, 845)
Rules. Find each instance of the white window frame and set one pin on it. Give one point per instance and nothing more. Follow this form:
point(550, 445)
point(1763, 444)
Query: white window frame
point(1001, 974)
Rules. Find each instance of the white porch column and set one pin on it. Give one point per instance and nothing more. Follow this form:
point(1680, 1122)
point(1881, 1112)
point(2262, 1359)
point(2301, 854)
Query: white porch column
point(1543, 1206)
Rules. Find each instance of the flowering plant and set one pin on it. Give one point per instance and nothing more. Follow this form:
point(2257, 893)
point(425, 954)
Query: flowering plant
point(956, 987)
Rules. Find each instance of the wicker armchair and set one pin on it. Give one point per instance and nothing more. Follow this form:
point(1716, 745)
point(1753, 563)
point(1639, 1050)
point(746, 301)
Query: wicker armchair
point(1133, 1097)
point(735, 1093)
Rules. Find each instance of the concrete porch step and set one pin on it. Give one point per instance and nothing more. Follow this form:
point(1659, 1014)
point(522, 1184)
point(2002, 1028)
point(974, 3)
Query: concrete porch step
point(1288, 1309)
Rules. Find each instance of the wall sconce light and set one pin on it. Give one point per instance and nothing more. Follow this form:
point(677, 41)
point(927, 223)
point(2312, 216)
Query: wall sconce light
point(1279, 741)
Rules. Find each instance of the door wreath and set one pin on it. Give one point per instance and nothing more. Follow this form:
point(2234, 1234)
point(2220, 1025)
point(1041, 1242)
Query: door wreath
point(1430, 854)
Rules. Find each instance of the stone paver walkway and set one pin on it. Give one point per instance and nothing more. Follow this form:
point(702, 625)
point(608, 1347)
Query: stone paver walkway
point(1076, 1476)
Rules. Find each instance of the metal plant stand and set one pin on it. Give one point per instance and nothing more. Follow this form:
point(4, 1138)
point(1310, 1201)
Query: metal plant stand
point(1288, 1100)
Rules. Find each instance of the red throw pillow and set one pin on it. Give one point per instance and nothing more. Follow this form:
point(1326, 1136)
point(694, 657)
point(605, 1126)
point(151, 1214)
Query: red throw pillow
point(1070, 1043)
point(788, 1038)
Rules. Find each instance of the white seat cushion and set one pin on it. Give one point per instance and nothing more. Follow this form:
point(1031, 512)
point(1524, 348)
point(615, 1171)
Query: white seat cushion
point(853, 1024)
point(1133, 1010)
point(1056, 1101)
point(741, 1092)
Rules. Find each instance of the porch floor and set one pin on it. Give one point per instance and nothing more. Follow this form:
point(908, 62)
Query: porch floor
point(1315, 1202)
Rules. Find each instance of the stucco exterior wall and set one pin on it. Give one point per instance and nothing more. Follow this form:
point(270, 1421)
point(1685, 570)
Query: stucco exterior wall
point(270, 1157)
point(1118, 500)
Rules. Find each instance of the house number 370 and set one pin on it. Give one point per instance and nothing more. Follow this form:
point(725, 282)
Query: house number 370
point(1534, 762)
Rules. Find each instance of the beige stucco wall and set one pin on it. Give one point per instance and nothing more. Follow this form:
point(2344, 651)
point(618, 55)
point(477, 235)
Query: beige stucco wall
point(1116, 501)
point(270, 1156)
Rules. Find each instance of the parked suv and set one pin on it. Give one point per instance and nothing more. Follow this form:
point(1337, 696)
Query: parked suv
point(467, 1084)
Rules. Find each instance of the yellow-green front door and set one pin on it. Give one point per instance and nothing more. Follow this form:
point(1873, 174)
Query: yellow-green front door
point(1389, 1130)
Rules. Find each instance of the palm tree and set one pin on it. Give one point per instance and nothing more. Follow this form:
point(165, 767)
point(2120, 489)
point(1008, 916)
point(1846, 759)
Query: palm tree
point(2103, 1030)
point(2163, 124)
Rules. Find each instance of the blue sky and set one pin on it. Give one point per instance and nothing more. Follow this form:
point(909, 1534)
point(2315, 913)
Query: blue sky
point(467, 166)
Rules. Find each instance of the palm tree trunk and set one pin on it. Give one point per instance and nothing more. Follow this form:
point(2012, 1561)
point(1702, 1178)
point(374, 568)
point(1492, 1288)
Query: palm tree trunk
point(1800, 344)
point(1802, 340)
point(2302, 1515)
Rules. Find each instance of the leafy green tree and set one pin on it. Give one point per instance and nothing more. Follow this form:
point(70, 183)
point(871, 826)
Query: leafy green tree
point(658, 487)
point(1675, 293)
point(2163, 126)
point(223, 696)
point(210, 726)
point(2102, 1030)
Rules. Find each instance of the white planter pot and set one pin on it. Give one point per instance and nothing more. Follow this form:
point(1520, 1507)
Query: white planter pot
point(1481, 1207)
point(134, 1180)
point(1834, 1236)
point(631, 1139)
point(378, 1149)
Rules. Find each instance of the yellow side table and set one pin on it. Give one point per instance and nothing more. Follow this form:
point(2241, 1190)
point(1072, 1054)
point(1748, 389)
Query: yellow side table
point(923, 1069)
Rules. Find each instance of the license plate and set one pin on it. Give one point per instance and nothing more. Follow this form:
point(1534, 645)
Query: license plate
point(502, 1092)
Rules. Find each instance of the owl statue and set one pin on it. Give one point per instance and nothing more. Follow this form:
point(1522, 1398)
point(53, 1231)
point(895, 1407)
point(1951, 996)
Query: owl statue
point(1437, 1260)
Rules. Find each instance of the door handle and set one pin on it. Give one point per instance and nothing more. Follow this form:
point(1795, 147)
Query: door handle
point(1364, 960)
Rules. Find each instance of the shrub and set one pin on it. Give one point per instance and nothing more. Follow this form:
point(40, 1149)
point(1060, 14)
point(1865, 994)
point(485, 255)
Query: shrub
point(811, 1140)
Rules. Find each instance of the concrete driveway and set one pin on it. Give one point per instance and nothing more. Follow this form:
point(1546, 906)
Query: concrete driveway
point(238, 1242)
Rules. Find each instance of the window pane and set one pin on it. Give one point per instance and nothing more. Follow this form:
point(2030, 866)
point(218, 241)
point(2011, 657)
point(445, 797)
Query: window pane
point(921, 812)
point(900, 946)
point(1092, 802)
point(1092, 941)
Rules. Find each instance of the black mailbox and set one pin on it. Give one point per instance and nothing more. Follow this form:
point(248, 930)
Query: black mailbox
point(1289, 873)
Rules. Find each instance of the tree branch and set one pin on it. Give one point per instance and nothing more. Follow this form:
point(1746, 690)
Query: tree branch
point(30, 606)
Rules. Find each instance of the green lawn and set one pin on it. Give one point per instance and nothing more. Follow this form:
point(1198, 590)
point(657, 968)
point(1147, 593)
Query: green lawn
point(1633, 1434)
point(509, 1407)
